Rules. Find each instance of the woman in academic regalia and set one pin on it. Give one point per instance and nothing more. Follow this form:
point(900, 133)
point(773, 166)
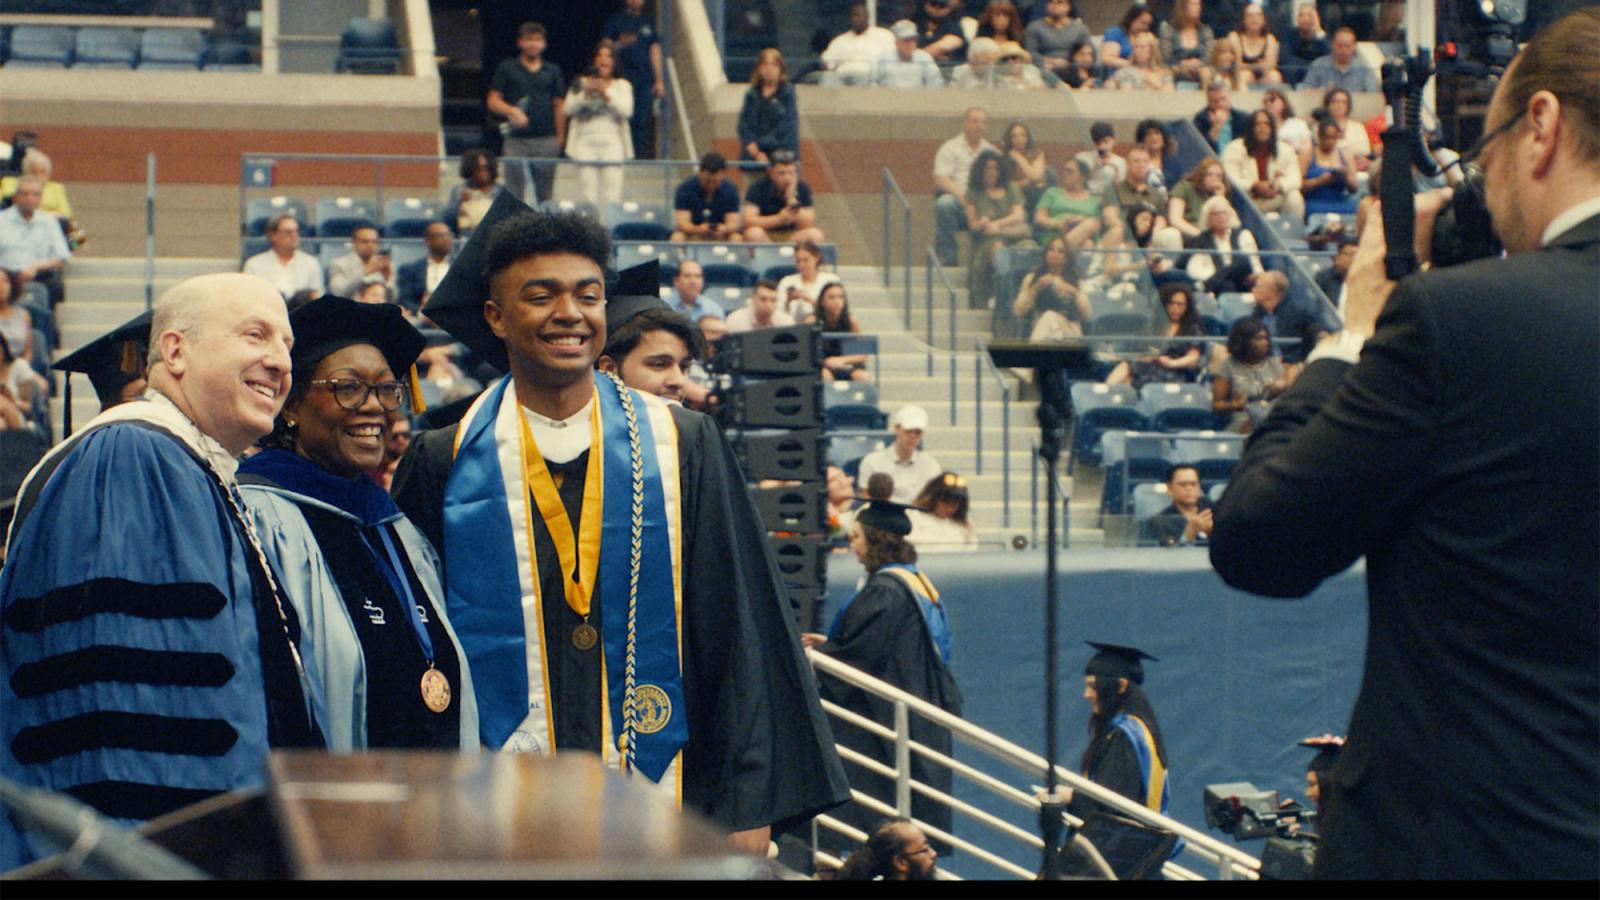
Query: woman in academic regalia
point(1125, 752)
point(364, 580)
point(894, 629)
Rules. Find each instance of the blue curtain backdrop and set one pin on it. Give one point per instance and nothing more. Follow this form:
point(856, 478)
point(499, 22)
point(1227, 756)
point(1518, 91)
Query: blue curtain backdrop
point(1240, 681)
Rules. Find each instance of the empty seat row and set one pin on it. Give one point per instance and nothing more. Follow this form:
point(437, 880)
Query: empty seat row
point(339, 216)
point(95, 47)
point(1162, 407)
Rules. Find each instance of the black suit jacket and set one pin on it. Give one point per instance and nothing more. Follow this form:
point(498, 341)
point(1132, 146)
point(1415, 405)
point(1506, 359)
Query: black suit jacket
point(1239, 119)
point(411, 282)
point(1290, 322)
point(1462, 458)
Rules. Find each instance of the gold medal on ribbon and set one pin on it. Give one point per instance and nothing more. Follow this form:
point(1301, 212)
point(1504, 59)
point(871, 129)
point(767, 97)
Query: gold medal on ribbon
point(584, 637)
point(435, 690)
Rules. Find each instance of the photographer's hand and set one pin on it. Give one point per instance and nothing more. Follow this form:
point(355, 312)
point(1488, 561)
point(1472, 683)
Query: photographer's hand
point(1367, 287)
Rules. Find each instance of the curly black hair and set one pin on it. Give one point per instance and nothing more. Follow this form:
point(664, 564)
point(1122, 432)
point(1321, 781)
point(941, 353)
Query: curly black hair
point(532, 234)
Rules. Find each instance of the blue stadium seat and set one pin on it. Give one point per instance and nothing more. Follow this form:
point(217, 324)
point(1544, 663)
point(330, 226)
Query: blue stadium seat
point(640, 231)
point(852, 404)
point(846, 449)
point(230, 56)
point(409, 216)
point(106, 48)
point(405, 250)
point(582, 207)
point(767, 256)
point(631, 221)
point(1177, 407)
point(1130, 459)
point(261, 209)
point(252, 246)
point(326, 251)
point(172, 48)
point(1149, 499)
point(41, 47)
point(778, 273)
point(728, 297)
point(626, 254)
point(707, 253)
point(728, 275)
point(369, 47)
point(1214, 456)
point(1099, 407)
point(1235, 306)
point(339, 216)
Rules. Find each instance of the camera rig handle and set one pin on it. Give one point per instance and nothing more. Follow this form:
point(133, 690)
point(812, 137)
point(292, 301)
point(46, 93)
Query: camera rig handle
point(1403, 148)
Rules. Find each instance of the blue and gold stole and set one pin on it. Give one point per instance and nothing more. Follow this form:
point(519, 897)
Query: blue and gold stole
point(1144, 746)
point(928, 602)
point(492, 578)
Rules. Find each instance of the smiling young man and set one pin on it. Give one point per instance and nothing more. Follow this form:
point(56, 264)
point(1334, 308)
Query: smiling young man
point(650, 347)
point(150, 659)
point(535, 499)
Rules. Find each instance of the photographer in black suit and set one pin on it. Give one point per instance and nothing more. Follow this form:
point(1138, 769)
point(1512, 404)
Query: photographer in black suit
point(1459, 451)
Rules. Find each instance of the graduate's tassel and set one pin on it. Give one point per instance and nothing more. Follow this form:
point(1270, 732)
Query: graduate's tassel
point(418, 405)
point(66, 406)
point(130, 358)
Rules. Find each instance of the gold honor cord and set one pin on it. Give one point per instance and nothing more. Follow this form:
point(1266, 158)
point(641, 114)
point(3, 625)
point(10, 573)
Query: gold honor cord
point(635, 548)
point(580, 556)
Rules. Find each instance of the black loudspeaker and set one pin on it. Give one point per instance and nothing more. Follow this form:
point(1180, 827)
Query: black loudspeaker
point(775, 403)
point(806, 605)
point(801, 561)
point(792, 350)
point(800, 508)
point(788, 456)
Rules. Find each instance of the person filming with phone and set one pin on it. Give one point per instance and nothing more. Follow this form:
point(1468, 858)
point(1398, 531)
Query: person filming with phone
point(1451, 435)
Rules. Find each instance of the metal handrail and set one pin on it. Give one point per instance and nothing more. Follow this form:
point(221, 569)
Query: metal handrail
point(678, 103)
point(934, 266)
point(890, 184)
point(1230, 860)
point(979, 365)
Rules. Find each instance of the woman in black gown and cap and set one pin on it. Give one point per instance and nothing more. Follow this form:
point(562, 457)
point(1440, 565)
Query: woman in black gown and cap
point(1125, 752)
point(363, 579)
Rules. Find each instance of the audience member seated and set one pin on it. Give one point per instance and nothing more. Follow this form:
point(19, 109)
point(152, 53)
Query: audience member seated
point(770, 118)
point(16, 323)
point(1001, 23)
point(1224, 64)
point(799, 290)
point(896, 850)
point(1187, 519)
point(1341, 68)
point(1049, 305)
point(939, 31)
point(761, 312)
point(284, 265)
point(1054, 38)
point(1017, 71)
point(1030, 170)
point(1206, 180)
point(1105, 167)
point(1186, 43)
point(1219, 123)
point(1256, 46)
point(996, 218)
point(362, 265)
point(373, 292)
point(599, 108)
point(778, 205)
point(952, 166)
point(686, 296)
point(1069, 209)
point(54, 197)
point(1265, 168)
point(706, 205)
point(940, 522)
point(1304, 44)
point(416, 280)
point(1117, 46)
point(902, 460)
point(853, 57)
point(833, 314)
point(1282, 318)
point(1136, 189)
point(1235, 265)
point(911, 66)
point(1331, 279)
point(1084, 72)
point(980, 69)
point(1353, 137)
point(1152, 136)
point(1330, 177)
point(1145, 69)
point(32, 243)
point(1178, 361)
point(1250, 378)
point(1292, 130)
point(1131, 233)
point(842, 502)
point(469, 200)
point(20, 387)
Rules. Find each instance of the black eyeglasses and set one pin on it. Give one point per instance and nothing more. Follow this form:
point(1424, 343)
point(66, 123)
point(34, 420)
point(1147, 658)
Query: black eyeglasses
point(1470, 157)
point(352, 394)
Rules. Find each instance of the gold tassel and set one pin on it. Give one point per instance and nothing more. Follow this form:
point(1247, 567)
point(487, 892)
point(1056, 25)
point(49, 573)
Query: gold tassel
point(130, 358)
point(418, 405)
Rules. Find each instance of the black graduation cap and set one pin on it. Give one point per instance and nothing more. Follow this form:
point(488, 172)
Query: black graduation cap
point(636, 290)
point(1328, 747)
point(1117, 661)
point(886, 515)
point(328, 324)
point(456, 305)
point(111, 361)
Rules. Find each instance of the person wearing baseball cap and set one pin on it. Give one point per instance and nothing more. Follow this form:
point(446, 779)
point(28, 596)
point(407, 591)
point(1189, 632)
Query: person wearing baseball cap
point(903, 461)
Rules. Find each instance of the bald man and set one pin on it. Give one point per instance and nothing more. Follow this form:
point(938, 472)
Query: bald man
point(149, 661)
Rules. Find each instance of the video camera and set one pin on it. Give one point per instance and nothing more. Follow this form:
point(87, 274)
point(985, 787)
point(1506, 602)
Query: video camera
point(1245, 811)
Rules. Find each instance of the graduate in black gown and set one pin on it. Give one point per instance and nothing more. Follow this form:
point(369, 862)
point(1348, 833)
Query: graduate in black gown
point(894, 629)
point(544, 460)
point(1125, 752)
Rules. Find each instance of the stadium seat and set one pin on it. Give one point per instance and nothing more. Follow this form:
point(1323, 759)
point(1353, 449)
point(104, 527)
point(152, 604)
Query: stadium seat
point(1130, 459)
point(778, 273)
point(1177, 407)
point(409, 216)
point(631, 221)
point(369, 47)
point(766, 256)
point(230, 56)
point(852, 404)
point(727, 296)
point(405, 250)
point(714, 253)
point(326, 251)
point(106, 48)
point(626, 254)
point(582, 207)
point(1215, 494)
point(339, 216)
point(1212, 455)
point(728, 275)
point(172, 48)
point(845, 450)
point(640, 231)
point(41, 47)
point(261, 209)
point(1149, 499)
point(1235, 306)
point(1099, 407)
point(252, 246)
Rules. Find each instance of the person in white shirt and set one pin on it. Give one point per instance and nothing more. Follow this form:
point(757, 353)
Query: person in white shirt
point(852, 58)
point(951, 166)
point(940, 524)
point(363, 265)
point(761, 312)
point(285, 266)
point(910, 66)
point(800, 290)
point(902, 461)
point(1106, 168)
